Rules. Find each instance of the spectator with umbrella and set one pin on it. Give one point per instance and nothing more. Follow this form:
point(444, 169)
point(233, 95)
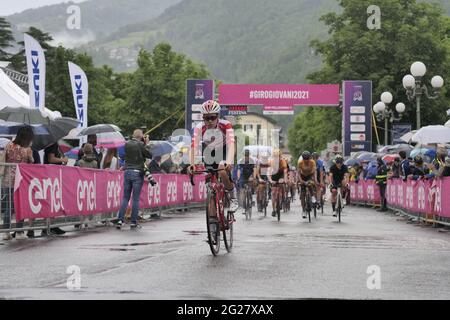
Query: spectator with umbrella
point(17, 151)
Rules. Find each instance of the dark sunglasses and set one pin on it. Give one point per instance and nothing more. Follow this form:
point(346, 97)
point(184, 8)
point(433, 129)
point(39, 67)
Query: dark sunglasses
point(210, 118)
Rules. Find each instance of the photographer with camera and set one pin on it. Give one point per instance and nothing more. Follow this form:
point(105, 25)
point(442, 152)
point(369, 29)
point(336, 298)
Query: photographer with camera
point(136, 151)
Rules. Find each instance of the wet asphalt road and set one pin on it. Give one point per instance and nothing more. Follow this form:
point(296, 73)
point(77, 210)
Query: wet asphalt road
point(169, 259)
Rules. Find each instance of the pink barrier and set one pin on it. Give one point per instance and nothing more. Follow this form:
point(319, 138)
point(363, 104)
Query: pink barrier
point(422, 196)
point(43, 191)
point(365, 191)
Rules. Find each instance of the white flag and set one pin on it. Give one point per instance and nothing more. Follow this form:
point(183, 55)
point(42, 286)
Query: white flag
point(80, 90)
point(36, 72)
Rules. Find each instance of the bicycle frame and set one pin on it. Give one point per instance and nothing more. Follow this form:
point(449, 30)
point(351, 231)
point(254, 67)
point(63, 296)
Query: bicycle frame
point(218, 190)
point(262, 195)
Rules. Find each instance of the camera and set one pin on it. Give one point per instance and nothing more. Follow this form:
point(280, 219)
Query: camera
point(150, 178)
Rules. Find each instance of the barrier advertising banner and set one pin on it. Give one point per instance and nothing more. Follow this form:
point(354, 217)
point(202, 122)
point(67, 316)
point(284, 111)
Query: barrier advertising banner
point(422, 196)
point(45, 191)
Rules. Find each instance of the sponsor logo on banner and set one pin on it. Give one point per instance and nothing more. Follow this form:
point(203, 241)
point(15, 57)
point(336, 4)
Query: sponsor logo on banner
point(188, 191)
point(358, 119)
point(234, 110)
point(358, 146)
point(358, 137)
point(281, 110)
point(45, 190)
point(80, 92)
point(86, 194)
point(197, 117)
point(354, 110)
point(36, 67)
point(196, 108)
point(358, 128)
point(113, 191)
point(357, 94)
point(421, 197)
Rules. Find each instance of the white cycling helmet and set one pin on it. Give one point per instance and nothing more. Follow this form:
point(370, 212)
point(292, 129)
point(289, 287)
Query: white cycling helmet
point(210, 107)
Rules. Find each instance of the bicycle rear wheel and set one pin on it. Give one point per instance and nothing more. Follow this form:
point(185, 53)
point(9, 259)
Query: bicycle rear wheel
point(279, 204)
point(339, 208)
point(315, 211)
point(228, 231)
point(212, 224)
point(322, 203)
point(308, 205)
point(248, 212)
point(265, 203)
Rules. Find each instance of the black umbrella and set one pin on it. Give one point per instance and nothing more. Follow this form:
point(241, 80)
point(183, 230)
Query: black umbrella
point(58, 127)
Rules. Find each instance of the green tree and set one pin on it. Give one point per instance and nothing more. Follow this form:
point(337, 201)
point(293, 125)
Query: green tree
point(410, 31)
point(6, 38)
point(157, 90)
point(18, 60)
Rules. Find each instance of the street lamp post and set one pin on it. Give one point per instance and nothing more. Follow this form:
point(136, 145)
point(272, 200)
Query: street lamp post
point(415, 89)
point(383, 112)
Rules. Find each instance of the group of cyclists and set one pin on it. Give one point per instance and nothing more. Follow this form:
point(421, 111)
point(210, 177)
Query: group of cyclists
point(269, 174)
point(272, 177)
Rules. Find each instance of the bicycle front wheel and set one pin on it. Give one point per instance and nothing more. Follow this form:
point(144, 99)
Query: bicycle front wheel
point(212, 224)
point(308, 205)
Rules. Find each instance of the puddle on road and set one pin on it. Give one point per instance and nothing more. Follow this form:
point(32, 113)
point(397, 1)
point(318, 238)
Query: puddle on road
point(113, 247)
point(110, 249)
point(194, 232)
point(134, 244)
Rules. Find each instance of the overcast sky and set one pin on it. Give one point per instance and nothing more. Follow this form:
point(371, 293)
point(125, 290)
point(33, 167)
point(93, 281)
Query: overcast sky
point(8, 7)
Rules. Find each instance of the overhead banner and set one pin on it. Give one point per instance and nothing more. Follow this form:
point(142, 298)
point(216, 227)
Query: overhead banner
point(80, 92)
point(357, 116)
point(280, 95)
point(36, 72)
point(197, 92)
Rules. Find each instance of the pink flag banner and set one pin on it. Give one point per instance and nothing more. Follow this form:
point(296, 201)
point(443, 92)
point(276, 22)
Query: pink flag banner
point(46, 191)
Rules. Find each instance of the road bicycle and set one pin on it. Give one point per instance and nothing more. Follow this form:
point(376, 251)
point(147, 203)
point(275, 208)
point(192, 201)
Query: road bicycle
point(218, 217)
